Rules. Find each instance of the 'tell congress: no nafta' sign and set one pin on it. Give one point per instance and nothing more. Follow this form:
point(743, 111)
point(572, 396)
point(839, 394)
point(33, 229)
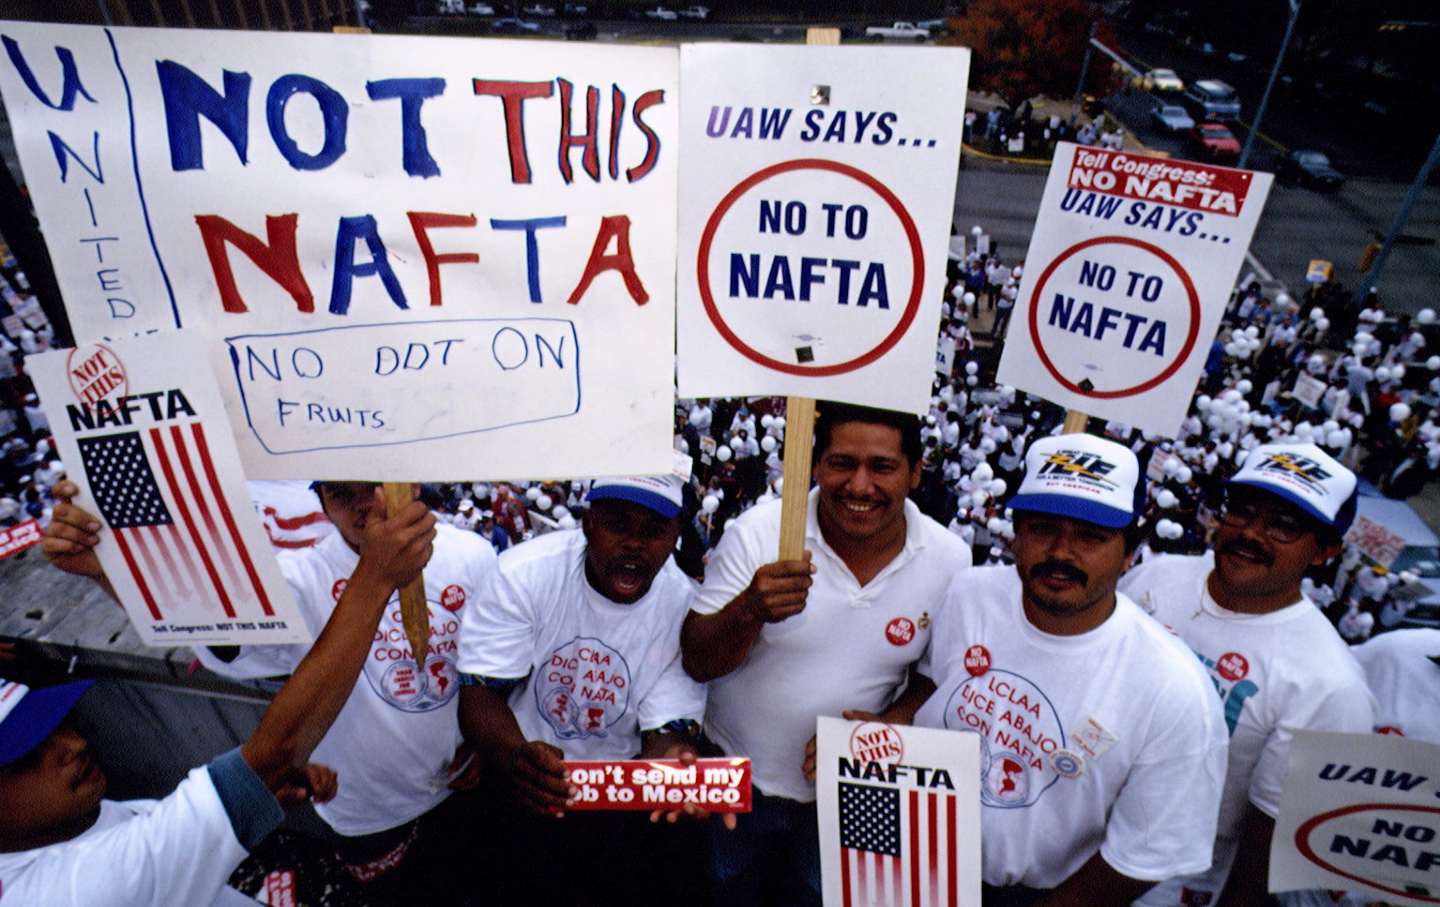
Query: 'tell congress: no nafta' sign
point(1128, 274)
point(814, 211)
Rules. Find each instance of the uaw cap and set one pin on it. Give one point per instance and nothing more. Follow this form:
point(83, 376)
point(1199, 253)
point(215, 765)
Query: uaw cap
point(28, 716)
point(1307, 477)
point(1082, 477)
point(659, 493)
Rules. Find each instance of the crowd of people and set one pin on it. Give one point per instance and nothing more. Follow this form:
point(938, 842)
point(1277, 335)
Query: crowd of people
point(1166, 608)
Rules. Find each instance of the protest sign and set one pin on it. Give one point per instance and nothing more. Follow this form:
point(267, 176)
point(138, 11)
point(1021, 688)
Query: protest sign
point(719, 785)
point(945, 357)
point(815, 213)
point(1360, 812)
point(1309, 390)
point(141, 429)
point(407, 257)
point(1375, 541)
point(18, 538)
point(899, 814)
point(1128, 273)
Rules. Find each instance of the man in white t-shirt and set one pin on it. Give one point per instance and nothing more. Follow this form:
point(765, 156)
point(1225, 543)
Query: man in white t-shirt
point(397, 742)
point(62, 844)
point(1402, 668)
point(574, 653)
point(783, 642)
point(1275, 661)
point(1102, 744)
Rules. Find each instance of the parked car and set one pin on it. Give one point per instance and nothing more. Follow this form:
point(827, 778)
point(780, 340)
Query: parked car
point(661, 12)
point(512, 26)
point(898, 30)
point(695, 12)
point(1212, 99)
point(1214, 142)
point(1162, 80)
point(1172, 118)
point(539, 9)
point(1307, 167)
point(481, 9)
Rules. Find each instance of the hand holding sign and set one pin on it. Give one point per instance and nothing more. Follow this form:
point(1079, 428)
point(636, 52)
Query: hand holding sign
point(779, 590)
point(397, 548)
point(71, 537)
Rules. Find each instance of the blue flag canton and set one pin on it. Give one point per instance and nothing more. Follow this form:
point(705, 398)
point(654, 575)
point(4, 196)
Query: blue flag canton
point(122, 481)
point(870, 819)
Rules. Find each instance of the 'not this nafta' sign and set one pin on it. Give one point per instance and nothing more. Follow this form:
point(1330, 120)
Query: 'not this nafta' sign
point(815, 208)
point(1128, 273)
point(406, 257)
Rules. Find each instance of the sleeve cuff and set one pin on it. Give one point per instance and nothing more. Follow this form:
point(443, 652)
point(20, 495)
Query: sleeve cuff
point(252, 809)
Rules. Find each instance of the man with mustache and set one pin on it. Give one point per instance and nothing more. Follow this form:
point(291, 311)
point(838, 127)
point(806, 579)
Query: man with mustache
point(782, 642)
point(574, 653)
point(1102, 746)
point(1272, 656)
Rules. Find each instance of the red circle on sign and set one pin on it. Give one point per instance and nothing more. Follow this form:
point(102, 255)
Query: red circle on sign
point(876, 741)
point(91, 351)
point(1232, 666)
point(912, 235)
point(339, 588)
point(1302, 843)
point(900, 631)
point(977, 660)
point(1190, 336)
point(452, 597)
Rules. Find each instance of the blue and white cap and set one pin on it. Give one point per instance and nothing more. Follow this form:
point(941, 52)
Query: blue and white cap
point(659, 493)
point(1307, 477)
point(1082, 477)
point(28, 716)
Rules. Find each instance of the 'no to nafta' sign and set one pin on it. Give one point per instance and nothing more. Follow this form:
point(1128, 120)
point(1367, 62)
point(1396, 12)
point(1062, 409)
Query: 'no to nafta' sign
point(813, 234)
point(1127, 276)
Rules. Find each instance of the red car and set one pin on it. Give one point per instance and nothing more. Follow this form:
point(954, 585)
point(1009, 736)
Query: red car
point(1214, 142)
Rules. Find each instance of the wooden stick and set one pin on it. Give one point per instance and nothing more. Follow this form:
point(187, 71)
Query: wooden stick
point(414, 612)
point(1075, 422)
point(795, 489)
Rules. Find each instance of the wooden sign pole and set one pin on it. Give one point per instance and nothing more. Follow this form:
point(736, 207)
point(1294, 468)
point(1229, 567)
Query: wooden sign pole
point(799, 423)
point(414, 612)
point(1075, 422)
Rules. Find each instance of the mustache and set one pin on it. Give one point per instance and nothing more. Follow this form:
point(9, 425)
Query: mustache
point(1247, 548)
point(1059, 570)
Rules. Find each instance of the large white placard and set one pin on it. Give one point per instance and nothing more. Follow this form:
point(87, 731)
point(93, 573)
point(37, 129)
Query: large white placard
point(405, 257)
point(1128, 273)
point(1360, 812)
point(142, 430)
point(815, 212)
point(899, 814)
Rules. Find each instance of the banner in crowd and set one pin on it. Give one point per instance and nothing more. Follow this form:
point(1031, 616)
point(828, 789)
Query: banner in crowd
point(815, 211)
point(1129, 271)
point(717, 785)
point(899, 814)
point(408, 257)
point(20, 537)
point(1375, 541)
point(141, 428)
point(1361, 813)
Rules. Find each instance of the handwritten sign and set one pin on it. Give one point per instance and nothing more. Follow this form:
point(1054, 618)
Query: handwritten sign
point(20, 537)
point(141, 428)
point(1360, 812)
point(715, 785)
point(1129, 270)
point(406, 257)
point(899, 814)
point(815, 215)
point(1375, 541)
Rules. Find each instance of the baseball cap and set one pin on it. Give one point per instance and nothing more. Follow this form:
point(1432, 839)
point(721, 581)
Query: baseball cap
point(466, 505)
point(1082, 477)
point(659, 493)
point(1307, 477)
point(28, 716)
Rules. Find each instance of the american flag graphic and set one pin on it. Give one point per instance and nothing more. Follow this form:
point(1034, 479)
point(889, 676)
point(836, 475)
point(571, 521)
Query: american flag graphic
point(896, 847)
point(159, 493)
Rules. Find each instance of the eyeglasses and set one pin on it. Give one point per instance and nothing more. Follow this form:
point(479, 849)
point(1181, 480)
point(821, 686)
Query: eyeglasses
point(1280, 526)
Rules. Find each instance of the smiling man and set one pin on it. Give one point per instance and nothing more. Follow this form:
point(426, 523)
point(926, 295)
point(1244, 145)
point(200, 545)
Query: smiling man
point(1273, 657)
point(1102, 748)
point(574, 653)
point(784, 642)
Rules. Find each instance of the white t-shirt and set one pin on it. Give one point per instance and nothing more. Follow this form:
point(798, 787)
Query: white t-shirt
point(850, 648)
point(1108, 741)
point(1275, 674)
point(177, 851)
point(1405, 681)
point(394, 740)
point(596, 672)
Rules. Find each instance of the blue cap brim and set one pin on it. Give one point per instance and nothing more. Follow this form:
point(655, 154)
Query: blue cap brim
point(656, 502)
point(1072, 507)
point(36, 718)
point(1341, 521)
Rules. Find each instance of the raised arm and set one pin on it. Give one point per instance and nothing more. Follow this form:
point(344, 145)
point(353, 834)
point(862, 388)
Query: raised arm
point(713, 645)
